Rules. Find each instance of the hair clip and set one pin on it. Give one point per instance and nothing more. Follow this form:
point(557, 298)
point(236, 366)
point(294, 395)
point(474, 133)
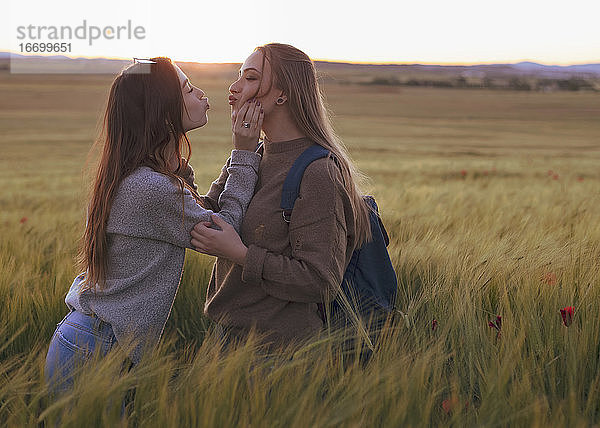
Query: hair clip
point(143, 61)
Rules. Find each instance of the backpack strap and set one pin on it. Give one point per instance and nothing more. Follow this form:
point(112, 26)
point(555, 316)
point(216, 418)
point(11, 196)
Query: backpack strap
point(291, 185)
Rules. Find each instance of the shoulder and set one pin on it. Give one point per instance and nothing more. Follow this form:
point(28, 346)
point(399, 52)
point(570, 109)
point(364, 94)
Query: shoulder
point(322, 193)
point(322, 171)
point(147, 181)
point(146, 187)
point(322, 185)
point(323, 176)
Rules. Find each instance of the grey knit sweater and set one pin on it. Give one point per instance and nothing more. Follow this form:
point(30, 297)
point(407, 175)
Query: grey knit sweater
point(147, 236)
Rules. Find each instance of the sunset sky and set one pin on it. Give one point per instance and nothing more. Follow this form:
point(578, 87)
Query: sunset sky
point(448, 32)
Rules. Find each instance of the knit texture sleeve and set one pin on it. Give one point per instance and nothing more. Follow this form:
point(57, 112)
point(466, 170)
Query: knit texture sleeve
point(150, 205)
point(211, 199)
point(318, 239)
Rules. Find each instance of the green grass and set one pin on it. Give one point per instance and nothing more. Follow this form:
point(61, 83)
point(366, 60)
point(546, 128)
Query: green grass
point(466, 247)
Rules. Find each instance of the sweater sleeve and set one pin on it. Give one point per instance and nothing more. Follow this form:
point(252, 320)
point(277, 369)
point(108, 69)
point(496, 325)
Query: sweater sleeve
point(318, 238)
point(151, 206)
point(211, 199)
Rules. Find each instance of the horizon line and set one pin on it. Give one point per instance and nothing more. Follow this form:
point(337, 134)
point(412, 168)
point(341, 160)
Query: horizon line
point(342, 61)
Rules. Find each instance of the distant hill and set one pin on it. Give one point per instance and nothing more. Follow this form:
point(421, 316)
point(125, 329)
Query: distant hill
point(521, 68)
point(532, 67)
point(493, 70)
point(523, 76)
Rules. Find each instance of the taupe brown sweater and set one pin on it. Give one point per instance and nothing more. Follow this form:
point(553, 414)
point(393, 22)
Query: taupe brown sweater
point(291, 267)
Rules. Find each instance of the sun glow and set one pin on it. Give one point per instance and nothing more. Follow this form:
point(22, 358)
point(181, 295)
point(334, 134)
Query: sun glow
point(462, 32)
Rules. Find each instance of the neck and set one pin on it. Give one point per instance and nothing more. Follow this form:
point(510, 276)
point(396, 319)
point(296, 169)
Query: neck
point(279, 126)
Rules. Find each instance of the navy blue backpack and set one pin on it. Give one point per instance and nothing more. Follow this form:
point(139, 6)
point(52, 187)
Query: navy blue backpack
point(369, 283)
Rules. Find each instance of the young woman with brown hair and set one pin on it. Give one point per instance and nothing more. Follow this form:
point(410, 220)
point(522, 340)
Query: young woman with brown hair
point(273, 277)
point(142, 208)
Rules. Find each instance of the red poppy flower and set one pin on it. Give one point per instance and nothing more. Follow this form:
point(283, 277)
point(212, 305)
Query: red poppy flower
point(549, 278)
point(567, 315)
point(23, 220)
point(496, 324)
point(463, 173)
point(580, 179)
point(449, 404)
point(550, 172)
point(555, 177)
point(434, 325)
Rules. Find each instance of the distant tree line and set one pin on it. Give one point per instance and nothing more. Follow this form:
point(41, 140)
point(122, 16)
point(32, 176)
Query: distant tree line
point(509, 83)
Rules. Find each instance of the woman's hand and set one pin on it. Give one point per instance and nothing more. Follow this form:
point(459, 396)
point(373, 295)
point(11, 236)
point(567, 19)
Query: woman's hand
point(224, 243)
point(246, 126)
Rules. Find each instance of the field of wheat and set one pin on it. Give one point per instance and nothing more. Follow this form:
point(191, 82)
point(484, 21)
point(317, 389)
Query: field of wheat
point(491, 200)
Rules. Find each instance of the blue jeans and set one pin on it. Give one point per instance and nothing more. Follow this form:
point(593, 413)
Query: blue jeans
point(78, 337)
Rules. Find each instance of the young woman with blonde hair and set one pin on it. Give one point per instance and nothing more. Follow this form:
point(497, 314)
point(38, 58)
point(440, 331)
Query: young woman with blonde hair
point(273, 276)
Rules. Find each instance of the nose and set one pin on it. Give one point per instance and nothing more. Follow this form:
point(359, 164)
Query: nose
point(233, 87)
point(201, 93)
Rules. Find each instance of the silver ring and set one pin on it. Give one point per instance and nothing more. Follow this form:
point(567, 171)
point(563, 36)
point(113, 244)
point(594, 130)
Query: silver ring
point(246, 124)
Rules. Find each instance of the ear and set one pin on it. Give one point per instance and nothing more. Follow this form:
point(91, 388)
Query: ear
point(281, 99)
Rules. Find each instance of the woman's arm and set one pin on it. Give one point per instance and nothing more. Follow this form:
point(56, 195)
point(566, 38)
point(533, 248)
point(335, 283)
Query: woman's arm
point(211, 199)
point(242, 173)
point(244, 138)
point(149, 205)
point(318, 237)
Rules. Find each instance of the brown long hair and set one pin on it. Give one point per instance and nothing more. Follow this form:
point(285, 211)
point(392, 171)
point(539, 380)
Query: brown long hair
point(143, 116)
point(294, 73)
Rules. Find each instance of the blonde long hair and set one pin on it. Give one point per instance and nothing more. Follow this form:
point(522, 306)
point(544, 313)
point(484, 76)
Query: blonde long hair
point(294, 73)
